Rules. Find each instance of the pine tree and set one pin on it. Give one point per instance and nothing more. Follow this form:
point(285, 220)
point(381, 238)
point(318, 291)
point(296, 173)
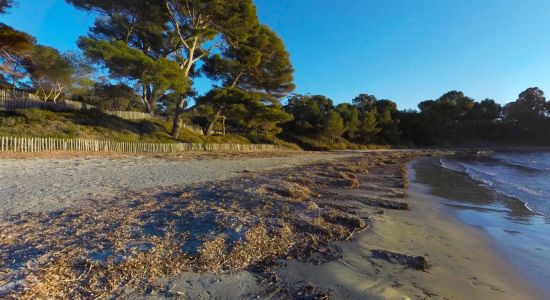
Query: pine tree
point(333, 125)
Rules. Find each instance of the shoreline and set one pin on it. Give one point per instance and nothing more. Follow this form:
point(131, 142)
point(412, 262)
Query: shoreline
point(487, 186)
point(516, 232)
point(465, 264)
point(490, 259)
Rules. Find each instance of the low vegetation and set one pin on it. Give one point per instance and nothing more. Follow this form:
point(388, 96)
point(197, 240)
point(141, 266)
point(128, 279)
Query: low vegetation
point(94, 124)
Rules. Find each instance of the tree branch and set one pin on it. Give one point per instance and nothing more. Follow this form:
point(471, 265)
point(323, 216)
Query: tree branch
point(176, 24)
point(207, 52)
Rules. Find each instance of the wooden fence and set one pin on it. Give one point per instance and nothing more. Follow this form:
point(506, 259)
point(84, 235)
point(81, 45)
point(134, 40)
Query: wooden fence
point(12, 100)
point(74, 104)
point(22, 95)
point(130, 115)
point(15, 104)
point(15, 100)
point(194, 128)
point(31, 145)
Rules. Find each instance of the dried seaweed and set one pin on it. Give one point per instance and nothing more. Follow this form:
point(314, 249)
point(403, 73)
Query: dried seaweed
point(131, 241)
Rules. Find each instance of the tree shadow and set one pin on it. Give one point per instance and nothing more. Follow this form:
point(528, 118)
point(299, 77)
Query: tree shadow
point(97, 118)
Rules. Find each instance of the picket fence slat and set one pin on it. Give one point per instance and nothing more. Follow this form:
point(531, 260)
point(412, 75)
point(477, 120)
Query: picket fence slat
point(32, 145)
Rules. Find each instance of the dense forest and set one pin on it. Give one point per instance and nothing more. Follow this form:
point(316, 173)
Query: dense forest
point(145, 56)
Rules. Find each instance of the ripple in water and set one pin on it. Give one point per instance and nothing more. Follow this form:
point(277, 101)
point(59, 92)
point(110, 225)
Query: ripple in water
point(522, 176)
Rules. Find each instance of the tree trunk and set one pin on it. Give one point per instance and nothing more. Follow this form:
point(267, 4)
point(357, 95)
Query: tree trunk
point(213, 122)
point(147, 97)
point(147, 107)
point(236, 80)
point(84, 102)
point(177, 118)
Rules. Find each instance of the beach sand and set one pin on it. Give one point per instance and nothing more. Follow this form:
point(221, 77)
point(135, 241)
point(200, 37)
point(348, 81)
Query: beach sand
point(464, 264)
point(51, 182)
point(387, 259)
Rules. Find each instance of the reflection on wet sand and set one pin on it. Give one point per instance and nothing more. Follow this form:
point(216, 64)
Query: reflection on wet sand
point(450, 185)
point(521, 234)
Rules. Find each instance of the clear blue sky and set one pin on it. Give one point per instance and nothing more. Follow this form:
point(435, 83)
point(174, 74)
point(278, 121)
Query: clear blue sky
point(404, 50)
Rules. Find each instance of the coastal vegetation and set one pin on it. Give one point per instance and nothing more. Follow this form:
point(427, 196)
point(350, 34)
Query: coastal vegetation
point(145, 56)
point(96, 125)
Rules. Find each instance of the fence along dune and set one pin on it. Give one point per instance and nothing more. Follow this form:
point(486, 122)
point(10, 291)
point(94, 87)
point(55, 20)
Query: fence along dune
point(13, 100)
point(31, 145)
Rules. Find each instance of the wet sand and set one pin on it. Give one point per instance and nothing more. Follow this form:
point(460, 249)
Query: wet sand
point(465, 265)
point(517, 233)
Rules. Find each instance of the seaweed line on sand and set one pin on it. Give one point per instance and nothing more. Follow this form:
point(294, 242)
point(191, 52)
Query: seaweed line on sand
point(101, 249)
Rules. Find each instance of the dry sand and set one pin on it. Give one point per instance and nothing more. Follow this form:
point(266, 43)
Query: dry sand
point(464, 265)
point(48, 184)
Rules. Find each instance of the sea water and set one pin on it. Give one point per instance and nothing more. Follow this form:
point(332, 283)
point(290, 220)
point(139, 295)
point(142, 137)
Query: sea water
point(506, 195)
point(524, 176)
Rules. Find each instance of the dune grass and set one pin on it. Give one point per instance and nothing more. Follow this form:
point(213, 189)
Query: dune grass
point(79, 124)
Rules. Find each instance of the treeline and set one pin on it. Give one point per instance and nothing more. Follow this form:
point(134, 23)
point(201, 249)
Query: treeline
point(451, 120)
point(145, 55)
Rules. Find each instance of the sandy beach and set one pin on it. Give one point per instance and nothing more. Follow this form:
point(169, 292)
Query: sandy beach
point(314, 226)
point(464, 263)
point(48, 184)
point(235, 149)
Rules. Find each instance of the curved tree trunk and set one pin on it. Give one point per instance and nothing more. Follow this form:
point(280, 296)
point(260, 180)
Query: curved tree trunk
point(147, 107)
point(213, 122)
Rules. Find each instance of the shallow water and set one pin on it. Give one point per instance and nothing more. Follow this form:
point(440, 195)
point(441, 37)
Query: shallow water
point(524, 176)
point(506, 196)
